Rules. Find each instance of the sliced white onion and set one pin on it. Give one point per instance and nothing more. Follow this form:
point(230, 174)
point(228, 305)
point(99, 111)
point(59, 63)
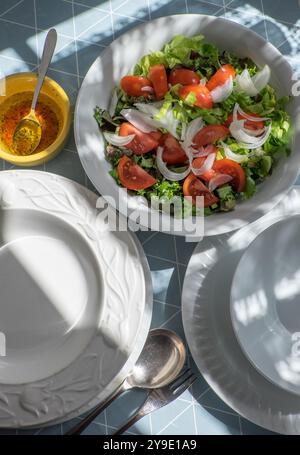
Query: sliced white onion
point(261, 78)
point(222, 92)
point(218, 180)
point(203, 81)
point(168, 122)
point(206, 166)
point(253, 85)
point(233, 156)
point(149, 108)
point(204, 151)
point(245, 139)
point(183, 131)
point(147, 88)
point(245, 84)
point(237, 109)
point(117, 140)
point(170, 175)
point(193, 127)
point(140, 120)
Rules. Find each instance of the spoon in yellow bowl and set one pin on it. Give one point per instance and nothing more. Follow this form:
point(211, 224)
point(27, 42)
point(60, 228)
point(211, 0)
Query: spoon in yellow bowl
point(28, 132)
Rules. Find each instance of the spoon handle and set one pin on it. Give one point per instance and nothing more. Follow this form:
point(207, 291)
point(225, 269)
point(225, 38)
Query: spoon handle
point(49, 46)
point(78, 429)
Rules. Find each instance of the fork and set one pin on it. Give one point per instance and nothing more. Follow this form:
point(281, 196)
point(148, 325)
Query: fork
point(159, 398)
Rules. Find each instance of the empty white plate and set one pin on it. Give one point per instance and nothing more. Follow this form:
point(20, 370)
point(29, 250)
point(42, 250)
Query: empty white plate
point(265, 299)
point(210, 335)
point(76, 300)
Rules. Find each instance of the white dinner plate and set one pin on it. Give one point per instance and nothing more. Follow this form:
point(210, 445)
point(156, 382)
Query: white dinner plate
point(76, 300)
point(209, 331)
point(120, 57)
point(265, 306)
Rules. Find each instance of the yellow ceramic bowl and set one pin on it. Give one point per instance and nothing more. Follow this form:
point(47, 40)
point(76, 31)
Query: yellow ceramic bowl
point(24, 82)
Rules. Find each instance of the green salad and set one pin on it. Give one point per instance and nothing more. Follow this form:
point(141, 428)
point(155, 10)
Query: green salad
point(193, 120)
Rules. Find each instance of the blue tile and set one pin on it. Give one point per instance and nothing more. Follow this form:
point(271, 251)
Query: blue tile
point(277, 33)
point(211, 400)
point(184, 249)
point(92, 25)
point(18, 11)
point(165, 281)
point(168, 420)
point(162, 245)
point(120, 410)
point(290, 13)
point(56, 14)
point(249, 428)
point(211, 422)
point(165, 7)
point(131, 8)
point(199, 7)
point(51, 430)
point(67, 164)
point(94, 430)
point(16, 43)
point(162, 312)
point(86, 55)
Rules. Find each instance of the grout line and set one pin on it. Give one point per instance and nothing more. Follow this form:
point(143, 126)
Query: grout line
point(220, 410)
point(173, 420)
point(264, 17)
point(240, 425)
point(75, 45)
point(161, 302)
point(11, 8)
point(149, 238)
point(36, 32)
point(166, 260)
point(111, 20)
point(170, 319)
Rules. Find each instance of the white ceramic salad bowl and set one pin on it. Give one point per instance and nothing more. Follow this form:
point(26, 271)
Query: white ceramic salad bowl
point(120, 57)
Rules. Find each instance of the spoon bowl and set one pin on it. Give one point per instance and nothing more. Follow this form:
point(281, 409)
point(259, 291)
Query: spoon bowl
point(160, 362)
point(27, 135)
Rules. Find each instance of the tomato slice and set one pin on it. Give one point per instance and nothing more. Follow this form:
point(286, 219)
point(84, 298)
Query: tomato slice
point(157, 136)
point(220, 77)
point(198, 162)
point(132, 176)
point(173, 152)
point(133, 85)
point(193, 186)
point(158, 77)
point(229, 167)
point(250, 124)
point(203, 96)
point(210, 134)
point(141, 143)
point(183, 76)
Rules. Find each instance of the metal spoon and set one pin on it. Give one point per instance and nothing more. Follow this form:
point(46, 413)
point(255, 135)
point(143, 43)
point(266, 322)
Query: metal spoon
point(160, 362)
point(28, 132)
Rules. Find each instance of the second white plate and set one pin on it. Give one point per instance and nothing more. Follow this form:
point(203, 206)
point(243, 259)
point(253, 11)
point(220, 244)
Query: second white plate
point(265, 303)
point(210, 335)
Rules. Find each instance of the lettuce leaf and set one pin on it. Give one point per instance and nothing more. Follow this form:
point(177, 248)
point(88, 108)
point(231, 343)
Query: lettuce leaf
point(177, 51)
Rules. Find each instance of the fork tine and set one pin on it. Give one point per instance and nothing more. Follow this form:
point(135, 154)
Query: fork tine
point(185, 385)
point(180, 378)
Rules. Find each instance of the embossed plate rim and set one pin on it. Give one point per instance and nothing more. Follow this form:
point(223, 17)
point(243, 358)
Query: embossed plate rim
point(42, 416)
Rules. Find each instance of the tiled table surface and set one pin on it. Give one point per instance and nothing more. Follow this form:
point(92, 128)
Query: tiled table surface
point(85, 27)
